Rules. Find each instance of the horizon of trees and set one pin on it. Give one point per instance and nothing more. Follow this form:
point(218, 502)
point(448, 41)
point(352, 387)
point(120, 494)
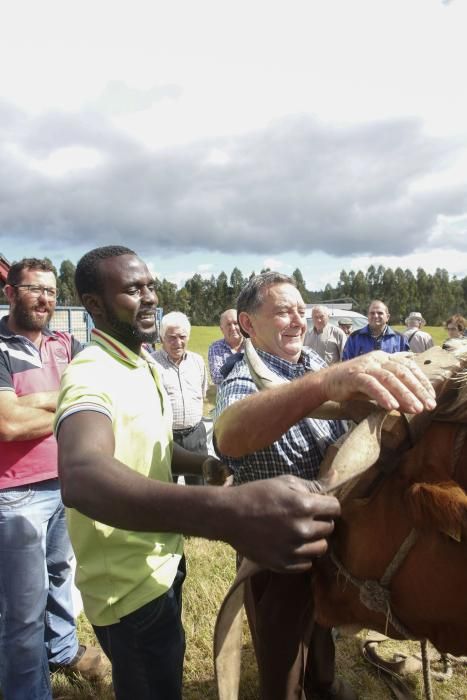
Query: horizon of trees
point(436, 295)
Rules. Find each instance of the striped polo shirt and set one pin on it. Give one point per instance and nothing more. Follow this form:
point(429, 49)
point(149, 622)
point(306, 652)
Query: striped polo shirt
point(26, 369)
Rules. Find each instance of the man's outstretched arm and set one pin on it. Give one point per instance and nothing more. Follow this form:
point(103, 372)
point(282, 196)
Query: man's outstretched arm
point(104, 489)
point(392, 381)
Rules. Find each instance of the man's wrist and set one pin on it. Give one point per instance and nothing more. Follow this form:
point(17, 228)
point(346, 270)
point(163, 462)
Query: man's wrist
point(317, 391)
point(224, 514)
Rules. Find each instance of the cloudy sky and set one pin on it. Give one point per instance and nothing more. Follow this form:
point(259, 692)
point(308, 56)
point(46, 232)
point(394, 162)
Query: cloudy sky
point(208, 134)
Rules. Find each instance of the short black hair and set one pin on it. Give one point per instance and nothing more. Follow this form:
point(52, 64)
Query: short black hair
point(252, 295)
point(15, 272)
point(87, 277)
point(378, 301)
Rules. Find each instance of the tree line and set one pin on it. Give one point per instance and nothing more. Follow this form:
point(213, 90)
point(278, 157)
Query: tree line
point(436, 295)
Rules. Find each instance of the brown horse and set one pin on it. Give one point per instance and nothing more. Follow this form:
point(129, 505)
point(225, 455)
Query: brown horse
point(424, 500)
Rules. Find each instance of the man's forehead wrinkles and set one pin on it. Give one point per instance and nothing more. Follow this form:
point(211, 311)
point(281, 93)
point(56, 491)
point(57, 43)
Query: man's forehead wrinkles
point(39, 276)
point(288, 305)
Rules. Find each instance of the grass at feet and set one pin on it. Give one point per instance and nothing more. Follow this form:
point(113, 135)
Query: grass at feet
point(211, 569)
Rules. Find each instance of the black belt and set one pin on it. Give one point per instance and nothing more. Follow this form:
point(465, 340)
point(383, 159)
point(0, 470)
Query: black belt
point(187, 431)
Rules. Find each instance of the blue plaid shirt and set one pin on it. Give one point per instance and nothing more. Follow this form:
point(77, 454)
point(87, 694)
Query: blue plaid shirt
point(219, 351)
point(301, 449)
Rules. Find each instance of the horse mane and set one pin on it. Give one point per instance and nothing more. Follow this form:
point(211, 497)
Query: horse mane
point(441, 506)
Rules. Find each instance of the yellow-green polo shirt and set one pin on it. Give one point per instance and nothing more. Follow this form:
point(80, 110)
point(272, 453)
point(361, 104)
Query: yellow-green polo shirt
point(118, 571)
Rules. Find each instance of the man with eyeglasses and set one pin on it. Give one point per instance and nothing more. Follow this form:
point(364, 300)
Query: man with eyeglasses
point(377, 335)
point(37, 625)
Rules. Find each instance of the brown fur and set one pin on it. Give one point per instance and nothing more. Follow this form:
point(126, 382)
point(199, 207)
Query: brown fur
point(439, 506)
point(427, 492)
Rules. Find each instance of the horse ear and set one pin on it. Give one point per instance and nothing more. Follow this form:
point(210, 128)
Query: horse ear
point(441, 506)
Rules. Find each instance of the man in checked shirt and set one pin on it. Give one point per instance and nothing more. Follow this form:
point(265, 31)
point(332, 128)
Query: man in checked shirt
point(184, 376)
point(279, 607)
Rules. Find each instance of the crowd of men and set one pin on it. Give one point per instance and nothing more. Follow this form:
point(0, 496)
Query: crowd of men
point(336, 343)
point(100, 432)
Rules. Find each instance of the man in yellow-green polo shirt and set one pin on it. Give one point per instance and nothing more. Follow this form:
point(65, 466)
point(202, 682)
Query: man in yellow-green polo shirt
point(112, 380)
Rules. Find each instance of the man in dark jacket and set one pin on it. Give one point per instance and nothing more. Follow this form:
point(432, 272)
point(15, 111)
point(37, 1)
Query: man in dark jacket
point(377, 335)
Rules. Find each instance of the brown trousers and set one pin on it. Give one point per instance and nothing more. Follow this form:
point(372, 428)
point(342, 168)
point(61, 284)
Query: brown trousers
point(294, 654)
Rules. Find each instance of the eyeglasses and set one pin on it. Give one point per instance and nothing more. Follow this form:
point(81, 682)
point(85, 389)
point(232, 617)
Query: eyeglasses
point(36, 290)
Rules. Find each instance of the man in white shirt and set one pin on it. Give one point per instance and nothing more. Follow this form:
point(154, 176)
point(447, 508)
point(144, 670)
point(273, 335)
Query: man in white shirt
point(325, 339)
point(184, 376)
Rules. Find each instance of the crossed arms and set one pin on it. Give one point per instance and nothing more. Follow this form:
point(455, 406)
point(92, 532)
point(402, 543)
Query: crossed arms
point(26, 417)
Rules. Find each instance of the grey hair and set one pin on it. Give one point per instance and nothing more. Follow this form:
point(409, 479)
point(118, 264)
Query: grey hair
point(322, 310)
point(252, 295)
point(221, 317)
point(175, 318)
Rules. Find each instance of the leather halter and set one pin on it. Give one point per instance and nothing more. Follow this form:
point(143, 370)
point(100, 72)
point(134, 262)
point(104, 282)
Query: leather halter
point(376, 595)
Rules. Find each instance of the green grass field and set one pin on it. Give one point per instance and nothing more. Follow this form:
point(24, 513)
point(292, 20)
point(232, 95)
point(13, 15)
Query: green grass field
point(438, 333)
point(210, 571)
point(203, 336)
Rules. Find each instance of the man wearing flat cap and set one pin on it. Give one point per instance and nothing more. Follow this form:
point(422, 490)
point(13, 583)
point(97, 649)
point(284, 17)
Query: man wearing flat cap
point(418, 340)
point(345, 324)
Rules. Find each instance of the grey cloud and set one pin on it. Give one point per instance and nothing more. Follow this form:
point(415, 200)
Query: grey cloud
point(11, 118)
point(51, 131)
point(298, 185)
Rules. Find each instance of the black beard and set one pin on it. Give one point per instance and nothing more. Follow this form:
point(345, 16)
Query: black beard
point(128, 333)
point(24, 318)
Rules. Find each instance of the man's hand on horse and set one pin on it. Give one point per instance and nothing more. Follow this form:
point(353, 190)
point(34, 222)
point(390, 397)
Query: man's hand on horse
point(284, 513)
point(395, 382)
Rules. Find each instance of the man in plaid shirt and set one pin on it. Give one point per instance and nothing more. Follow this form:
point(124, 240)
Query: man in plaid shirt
point(262, 434)
point(272, 312)
point(221, 350)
